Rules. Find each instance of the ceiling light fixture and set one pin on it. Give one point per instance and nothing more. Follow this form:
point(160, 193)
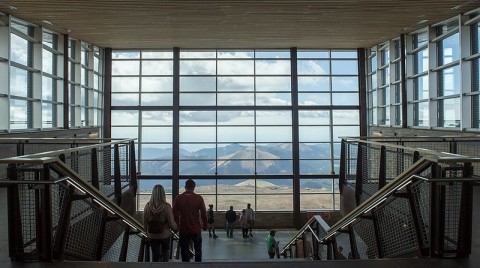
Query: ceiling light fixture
point(422, 21)
point(47, 22)
point(464, 4)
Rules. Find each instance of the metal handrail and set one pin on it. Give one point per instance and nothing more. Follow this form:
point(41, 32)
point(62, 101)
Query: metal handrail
point(315, 218)
point(380, 196)
point(39, 156)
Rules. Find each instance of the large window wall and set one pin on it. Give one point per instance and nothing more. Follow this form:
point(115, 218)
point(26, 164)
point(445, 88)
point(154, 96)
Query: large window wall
point(442, 76)
point(240, 117)
point(32, 79)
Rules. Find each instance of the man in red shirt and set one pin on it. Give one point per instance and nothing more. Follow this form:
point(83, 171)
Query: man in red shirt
point(188, 209)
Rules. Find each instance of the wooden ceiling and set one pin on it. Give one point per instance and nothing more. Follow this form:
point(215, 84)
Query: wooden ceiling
point(236, 24)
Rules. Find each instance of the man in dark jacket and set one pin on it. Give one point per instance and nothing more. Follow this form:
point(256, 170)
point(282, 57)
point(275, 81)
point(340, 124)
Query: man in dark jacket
point(188, 210)
point(231, 217)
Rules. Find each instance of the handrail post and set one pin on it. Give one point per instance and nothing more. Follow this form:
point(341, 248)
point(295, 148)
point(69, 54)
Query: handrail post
point(45, 217)
point(15, 238)
point(464, 239)
point(382, 176)
point(359, 175)
point(343, 158)
point(94, 163)
point(133, 167)
point(117, 176)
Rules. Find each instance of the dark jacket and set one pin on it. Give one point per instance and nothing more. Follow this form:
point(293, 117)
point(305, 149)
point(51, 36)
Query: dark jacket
point(230, 216)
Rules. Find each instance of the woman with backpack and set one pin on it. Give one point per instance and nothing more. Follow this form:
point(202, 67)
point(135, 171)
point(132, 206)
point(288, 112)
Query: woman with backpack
point(159, 223)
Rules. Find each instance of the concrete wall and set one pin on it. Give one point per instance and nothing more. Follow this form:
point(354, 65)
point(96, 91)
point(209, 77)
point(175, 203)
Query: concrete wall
point(411, 132)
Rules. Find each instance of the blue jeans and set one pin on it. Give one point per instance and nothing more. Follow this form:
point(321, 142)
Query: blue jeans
point(230, 229)
point(158, 245)
point(185, 246)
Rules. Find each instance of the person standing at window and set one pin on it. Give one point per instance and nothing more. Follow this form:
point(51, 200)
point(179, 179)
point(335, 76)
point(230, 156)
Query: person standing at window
point(159, 223)
point(211, 221)
point(250, 218)
point(231, 217)
point(191, 215)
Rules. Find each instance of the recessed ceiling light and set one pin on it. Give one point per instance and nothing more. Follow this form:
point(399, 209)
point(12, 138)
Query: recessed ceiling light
point(2, 4)
point(47, 22)
point(463, 4)
point(421, 21)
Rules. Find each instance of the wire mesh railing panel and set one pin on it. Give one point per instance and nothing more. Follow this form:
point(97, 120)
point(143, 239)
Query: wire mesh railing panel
point(342, 251)
point(397, 161)
point(134, 245)
point(396, 228)
point(112, 247)
point(453, 195)
point(81, 162)
point(421, 201)
point(28, 214)
point(370, 169)
point(112, 243)
point(470, 148)
point(58, 194)
point(351, 162)
point(106, 170)
point(47, 146)
point(81, 240)
point(434, 145)
point(365, 239)
point(124, 164)
point(6, 150)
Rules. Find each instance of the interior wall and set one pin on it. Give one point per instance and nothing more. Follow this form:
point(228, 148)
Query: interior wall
point(412, 132)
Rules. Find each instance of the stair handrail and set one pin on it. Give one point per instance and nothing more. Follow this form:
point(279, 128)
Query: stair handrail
point(380, 196)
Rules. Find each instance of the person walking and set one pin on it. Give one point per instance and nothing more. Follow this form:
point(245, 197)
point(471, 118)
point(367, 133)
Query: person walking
point(211, 221)
point(231, 217)
point(191, 215)
point(272, 245)
point(159, 223)
point(250, 218)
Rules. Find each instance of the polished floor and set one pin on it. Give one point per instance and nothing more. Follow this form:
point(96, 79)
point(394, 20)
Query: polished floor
point(239, 252)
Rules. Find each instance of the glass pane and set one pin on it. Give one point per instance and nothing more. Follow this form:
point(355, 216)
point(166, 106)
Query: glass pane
point(235, 99)
point(317, 67)
point(124, 132)
point(197, 84)
point(272, 84)
point(421, 114)
point(421, 61)
point(236, 134)
point(197, 118)
point(130, 67)
point(273, 99)
point(197, 134)
point(274, 117)
point(122, 54)
point(450, 49)
point(312, 54)
point(157, 54)
point(235, 67)
point(451, 112)
point(157, 84)
point(157, 99)
point(151, 67)
point(197, 151)
point(315, 167)
point(235, 118)
point(47, 115)
point(346, 117)
point(263, 67)
point(274, 151)
point(19, 82)
point(314, 117)
point(450, 81)
point(157, 118)
point(345, 131)
point(344, 54)
point(345, 99)
point(19, 111)
point(277, 202)
point(237, 201)
point(342, 83)
point(274, 134)
point(200, 99)
point(316, 201)
point(20, 51)
point(314, 83)
point(125, 99)
point(125, 84)
point(314, 151)
point(236, 151)
point(307, 99)
point(421, 87)
point(197, 167)
point(198, 67)
point(344, 67)
point(314, 133)
point(238, 54)
point(157, 134)
point(236, 167)
point(235, 84)
point(156, 151)
point(124, 118)
point(156, 168)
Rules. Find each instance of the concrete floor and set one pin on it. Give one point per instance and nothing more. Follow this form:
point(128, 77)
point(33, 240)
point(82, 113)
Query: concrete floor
point(251, 252)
